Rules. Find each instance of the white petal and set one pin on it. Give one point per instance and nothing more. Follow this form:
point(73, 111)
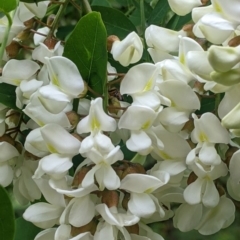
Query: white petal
point(43, 215)
point(141, 205)
point(58, 140)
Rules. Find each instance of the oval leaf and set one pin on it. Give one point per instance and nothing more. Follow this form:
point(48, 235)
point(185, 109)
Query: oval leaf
point(8, 95)
point(159, 13)
point(87, 48)
point(25, 230)
point(7, 5)
point(7, 225)
point(116, 22)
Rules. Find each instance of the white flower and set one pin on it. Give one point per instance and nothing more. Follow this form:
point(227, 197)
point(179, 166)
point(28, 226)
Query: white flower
point(96, 122)
point(129, 50)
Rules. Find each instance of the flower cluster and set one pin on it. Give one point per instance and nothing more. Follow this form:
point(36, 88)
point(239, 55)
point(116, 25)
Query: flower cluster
point(76, 158)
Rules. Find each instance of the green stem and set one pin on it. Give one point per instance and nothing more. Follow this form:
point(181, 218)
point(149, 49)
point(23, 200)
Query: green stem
point(87, 6)
point(5, 38)
point(57, 18)
point(142, 16)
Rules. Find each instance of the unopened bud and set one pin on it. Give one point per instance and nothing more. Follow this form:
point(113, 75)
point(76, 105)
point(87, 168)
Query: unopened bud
point(50, 42)
point(110, 198)
point(90, 227)
point(12, 49)
point(134, 229)
point(188, 126)
point(234, 42)
point(23, 35)
point(29, 23)
point(77, 136)
point(73, 118)
point(192, 178)
point(78, 178)
point(110, 40)
point(199, 87)
point(50, 19)
point(139, 168)
point(113, 102)
point(125, 201)
point(188, 28)
point(13, 118)
point(129, 170)
point(204, 2)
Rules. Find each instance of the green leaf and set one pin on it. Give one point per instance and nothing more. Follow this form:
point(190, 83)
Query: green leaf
point(7, 224)
point(177, 22)
point(87, 48)
point(116, 22)
point(25, 230)
point(32, 1)
point(104, 3)
point(7, 5)
point(8, 95)
point(159, 13)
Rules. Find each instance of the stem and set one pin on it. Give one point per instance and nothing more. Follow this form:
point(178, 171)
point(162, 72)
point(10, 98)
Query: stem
point(142, 15)
point(58, 17)
point(87, 6)
point(5, 38)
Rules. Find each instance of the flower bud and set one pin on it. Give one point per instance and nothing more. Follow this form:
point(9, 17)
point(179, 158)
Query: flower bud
point(12, 49)
point(73, 118)
point(13, 119)
point(50, 42)
point(127, 51)
point(188, 28)
point(50, 19)
point(191, 178)
point(125, 200)
point(134, 229)
point(90, 227)
point(110, 198)
point(110, 40)
point(29, 23)
point(79, 176)
point(113, 102)
point(234, 42)
point(199, 87)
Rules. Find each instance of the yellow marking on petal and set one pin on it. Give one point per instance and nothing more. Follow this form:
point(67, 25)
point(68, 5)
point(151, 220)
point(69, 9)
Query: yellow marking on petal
point(203, 137)
point(51, 148)
point(218, 7)
point(40, 123)
point(148, 85)
point(16, 81)
point(182, 58)
point(149, 190)
point(146, 125)
point(173, 104)
point(95, 124)
point(164, 155)
point(55, 81)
